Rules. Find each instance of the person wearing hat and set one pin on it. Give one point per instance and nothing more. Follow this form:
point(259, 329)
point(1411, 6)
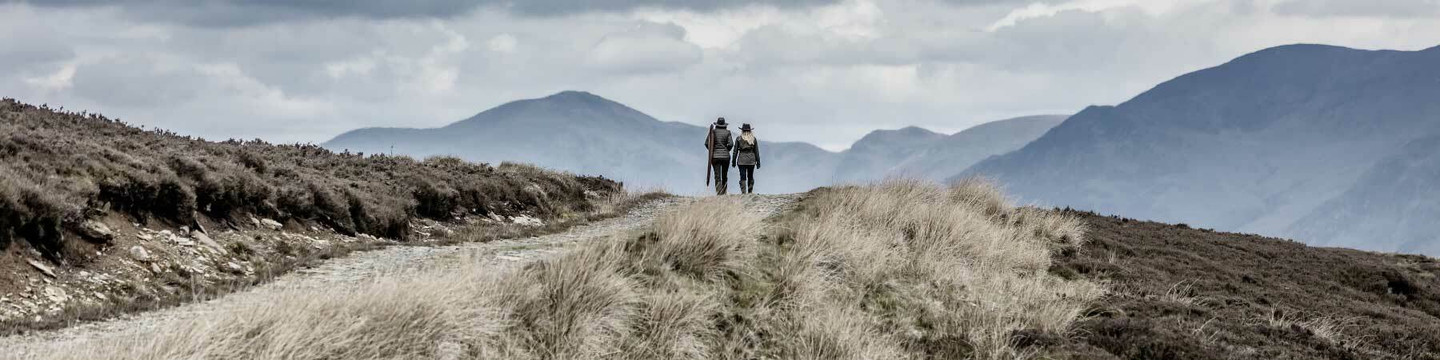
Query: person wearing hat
point(719, 143)
point(747, 158)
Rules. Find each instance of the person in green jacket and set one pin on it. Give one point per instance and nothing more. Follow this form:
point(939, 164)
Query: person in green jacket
point(746, 157)
point(719, 143)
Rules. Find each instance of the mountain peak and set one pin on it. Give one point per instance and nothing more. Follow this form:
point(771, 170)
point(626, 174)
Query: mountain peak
point(885, 139)
point(1291, 51)
point(915, 130)
point(570, 106)
point(574, 94)
point(908, 132)
point(575, 97)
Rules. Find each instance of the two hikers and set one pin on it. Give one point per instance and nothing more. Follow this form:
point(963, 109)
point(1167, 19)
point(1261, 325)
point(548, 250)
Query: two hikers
point(725, 152)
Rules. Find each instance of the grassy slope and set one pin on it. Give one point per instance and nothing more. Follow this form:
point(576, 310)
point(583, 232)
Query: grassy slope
point(901, 270)
point(61, 168)
point(1183, 293)
point(60, 171)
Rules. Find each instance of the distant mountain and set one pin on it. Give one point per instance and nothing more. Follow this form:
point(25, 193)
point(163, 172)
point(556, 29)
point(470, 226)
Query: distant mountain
point(879, 152)
point(1395, 205)
point(918, 153)
point(584, 133)
point(952, 155)
point(1254, 145)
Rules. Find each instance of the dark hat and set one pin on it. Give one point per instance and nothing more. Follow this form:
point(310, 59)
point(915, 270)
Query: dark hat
point(720, 121)
point(745, 127)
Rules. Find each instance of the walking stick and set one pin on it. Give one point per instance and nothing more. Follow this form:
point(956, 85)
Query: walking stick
point(709, 151)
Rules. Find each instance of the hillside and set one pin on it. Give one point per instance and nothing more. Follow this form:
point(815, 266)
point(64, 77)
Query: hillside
point(99, 216)
point(1178, 292)
point(901, 270)
point(1253, 145)
point(580, 132)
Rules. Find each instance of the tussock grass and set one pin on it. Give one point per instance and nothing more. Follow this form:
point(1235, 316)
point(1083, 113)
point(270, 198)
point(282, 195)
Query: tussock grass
point(1332, 329)
point(896, 270)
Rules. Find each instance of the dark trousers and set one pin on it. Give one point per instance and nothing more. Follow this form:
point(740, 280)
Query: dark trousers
point(721, 168)
point(747, 179)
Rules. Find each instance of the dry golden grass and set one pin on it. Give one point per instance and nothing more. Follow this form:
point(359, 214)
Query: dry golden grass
point(891, 271)
point(948, 272)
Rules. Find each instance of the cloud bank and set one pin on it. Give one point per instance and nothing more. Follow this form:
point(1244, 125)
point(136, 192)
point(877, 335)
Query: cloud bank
point(825, 72)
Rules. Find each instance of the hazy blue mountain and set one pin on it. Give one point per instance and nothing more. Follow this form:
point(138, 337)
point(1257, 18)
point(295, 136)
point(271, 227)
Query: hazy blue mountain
point(953, 154)
point(585, 133)
point(1252, 145)
point(879, 152)
point(1395, 205)
point(919, 153)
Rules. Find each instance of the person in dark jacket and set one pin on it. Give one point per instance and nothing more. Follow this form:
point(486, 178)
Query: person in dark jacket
point(720, 143)
point(746, 157)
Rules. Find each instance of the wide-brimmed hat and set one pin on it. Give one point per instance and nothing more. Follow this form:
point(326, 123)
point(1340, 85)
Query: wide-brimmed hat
point(720, 121)
point(745, 127)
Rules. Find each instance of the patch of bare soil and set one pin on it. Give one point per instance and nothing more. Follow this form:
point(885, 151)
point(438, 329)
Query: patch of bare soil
point(1184, 293)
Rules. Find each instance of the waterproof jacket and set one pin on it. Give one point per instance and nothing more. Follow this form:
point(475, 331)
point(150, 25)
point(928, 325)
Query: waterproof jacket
point(747, 153)
point(723, 144)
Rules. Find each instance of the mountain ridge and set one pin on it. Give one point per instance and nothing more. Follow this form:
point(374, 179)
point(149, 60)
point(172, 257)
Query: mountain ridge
point(588, 133)
point(1252, 145)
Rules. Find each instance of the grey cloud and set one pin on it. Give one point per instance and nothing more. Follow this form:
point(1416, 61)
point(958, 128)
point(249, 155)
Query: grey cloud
point(18, 53)
point(918, 62)
point(135, 82)
point(996, 2)
point(1370, 8)
point(27, 46)
point(565, 7)
point(228, 13)
point(648, 47)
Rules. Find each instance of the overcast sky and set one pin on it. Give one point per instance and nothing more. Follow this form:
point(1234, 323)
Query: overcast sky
point(820, 71)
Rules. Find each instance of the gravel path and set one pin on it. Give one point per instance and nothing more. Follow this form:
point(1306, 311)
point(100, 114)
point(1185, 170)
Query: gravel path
point(392, 261)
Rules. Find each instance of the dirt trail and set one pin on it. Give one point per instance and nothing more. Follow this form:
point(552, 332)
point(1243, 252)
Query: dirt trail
point(391, 261)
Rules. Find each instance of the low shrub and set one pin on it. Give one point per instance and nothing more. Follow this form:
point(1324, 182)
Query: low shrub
point(87, 164)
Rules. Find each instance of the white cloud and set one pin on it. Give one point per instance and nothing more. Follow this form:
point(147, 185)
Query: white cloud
point(437, 71)
point(1043, 10)
point(647, 47)
point(714, 30)
point(229, 79)
point(1365, 8)
point(503, 43)
point(59, 80)
point(358, 66)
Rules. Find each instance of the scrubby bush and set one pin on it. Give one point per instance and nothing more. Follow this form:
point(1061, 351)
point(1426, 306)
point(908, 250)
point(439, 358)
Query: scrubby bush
point(27, 211)
point(435, 200)
point(64, 167)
